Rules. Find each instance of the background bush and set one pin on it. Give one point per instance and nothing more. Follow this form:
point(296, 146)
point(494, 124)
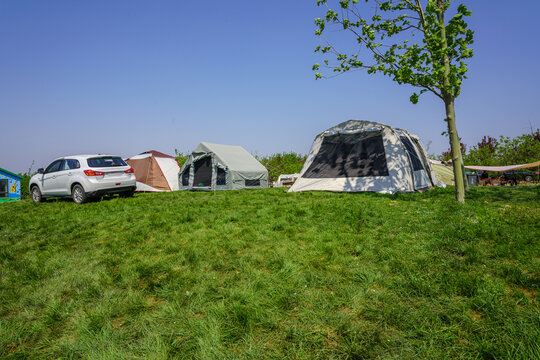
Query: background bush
point(284, 163)
point(25, 193)
point(25, 181)
point(181, 157)
point(522, 149)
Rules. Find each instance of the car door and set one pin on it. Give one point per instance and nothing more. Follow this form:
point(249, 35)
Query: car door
point(48, 181)
point(70, 166)
point(63, 176)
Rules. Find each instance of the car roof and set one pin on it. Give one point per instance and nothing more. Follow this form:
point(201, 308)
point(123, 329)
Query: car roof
point(84, 156)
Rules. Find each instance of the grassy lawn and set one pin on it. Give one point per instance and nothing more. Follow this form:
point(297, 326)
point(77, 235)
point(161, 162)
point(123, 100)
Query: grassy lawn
point(263, 274)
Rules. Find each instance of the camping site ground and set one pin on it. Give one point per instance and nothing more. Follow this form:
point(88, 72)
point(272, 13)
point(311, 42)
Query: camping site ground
point(263, 274)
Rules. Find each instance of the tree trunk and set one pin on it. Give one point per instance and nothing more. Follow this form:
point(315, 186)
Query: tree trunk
point(459, 175)
point(464, 173)
point(457, 162)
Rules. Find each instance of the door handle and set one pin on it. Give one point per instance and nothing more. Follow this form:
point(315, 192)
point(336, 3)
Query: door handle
point(69, 173)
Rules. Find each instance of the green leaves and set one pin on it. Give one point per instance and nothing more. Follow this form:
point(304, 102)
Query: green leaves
point(331, 16)
point(321, 24)
point(405, 42)
point(522, 149)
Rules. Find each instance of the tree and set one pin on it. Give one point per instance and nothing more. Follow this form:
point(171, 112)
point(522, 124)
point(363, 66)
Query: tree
point(522, 149)
point(447, 155)
point(484, 153)
point(410, 43)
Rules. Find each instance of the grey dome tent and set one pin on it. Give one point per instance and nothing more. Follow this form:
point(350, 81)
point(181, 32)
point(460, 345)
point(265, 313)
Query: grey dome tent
point(222, 167)
point(362, 155)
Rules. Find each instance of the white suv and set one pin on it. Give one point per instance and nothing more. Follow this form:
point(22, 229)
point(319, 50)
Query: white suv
point(83, 176)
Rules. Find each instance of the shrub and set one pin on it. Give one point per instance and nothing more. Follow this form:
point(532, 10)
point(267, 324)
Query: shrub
point(522, 149)
point(25, 192)
point(284, 163)
point(181, 157)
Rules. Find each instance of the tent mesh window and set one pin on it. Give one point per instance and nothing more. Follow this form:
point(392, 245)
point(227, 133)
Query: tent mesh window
point(221, 177)
point(421, 152)
point(252, 182)
point(409, 147)
point(343, 156)
point(203, 172)
point(185, 176)
point(4, 184)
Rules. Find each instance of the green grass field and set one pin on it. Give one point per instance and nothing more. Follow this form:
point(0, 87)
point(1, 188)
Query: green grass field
point(266, 275)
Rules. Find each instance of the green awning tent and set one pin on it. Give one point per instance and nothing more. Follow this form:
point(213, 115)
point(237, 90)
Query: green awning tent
point(222, 167)
point(444, 173)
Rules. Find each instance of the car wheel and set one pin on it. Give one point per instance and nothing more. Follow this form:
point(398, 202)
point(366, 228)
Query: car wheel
point(78, 194)
point(36, 194)
point(528, 178)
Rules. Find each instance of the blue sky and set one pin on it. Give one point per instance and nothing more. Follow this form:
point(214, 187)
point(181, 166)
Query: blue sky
point(124, 77)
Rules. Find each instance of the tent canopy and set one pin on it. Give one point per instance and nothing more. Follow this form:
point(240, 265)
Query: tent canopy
point(232, 156)
point(359, 155)
point(155, 171)
point(222, 167)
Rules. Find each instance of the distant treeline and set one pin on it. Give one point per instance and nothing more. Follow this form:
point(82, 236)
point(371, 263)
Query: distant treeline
point(522, 149)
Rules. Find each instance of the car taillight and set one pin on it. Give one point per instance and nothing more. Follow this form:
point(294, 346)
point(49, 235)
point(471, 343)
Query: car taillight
point(93, 173)
point(129, 171)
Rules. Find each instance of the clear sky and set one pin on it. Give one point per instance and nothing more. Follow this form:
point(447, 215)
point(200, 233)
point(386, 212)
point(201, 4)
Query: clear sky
point(124, 77)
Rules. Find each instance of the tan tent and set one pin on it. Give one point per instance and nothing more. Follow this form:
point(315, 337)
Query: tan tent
point(155, 171)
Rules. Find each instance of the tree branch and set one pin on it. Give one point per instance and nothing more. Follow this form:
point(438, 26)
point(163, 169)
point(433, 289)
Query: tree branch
point(421, 13)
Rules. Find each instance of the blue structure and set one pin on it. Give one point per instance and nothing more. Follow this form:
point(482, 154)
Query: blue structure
point(10, 186)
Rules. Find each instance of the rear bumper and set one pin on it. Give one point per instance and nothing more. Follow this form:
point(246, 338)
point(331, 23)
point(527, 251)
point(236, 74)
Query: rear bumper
point(115, 190)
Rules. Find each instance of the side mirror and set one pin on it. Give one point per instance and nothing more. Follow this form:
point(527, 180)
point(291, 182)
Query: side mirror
point(40, 171)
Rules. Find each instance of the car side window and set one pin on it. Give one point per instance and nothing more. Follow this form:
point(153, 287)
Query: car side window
point(63, 166)
point(70, 164)
point(53, 167)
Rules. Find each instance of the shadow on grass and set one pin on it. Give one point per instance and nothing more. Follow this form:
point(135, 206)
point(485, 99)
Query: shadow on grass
point(516, 194)
point(89, 200)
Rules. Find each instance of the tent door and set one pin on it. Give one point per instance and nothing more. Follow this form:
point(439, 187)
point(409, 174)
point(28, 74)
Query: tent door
point(425, 162)
point(421, 180)
point(203, 172)
point(420, 176)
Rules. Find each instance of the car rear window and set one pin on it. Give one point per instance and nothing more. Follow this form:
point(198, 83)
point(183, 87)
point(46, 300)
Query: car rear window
point(106, 161)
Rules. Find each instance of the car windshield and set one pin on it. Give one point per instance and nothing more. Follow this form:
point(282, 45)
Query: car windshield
point(106, 161)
